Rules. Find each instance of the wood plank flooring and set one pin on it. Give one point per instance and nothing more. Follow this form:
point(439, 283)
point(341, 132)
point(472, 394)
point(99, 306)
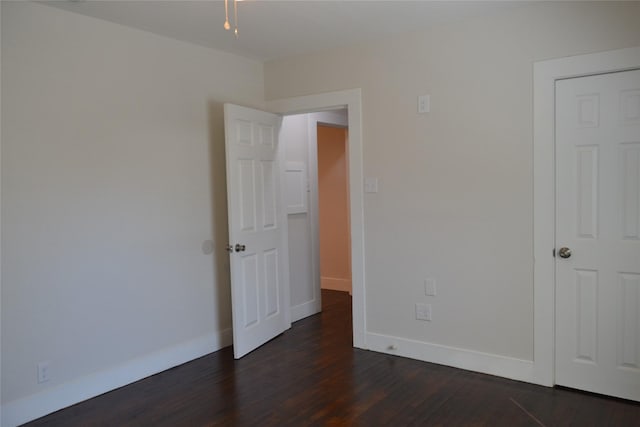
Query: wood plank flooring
point(311, 375)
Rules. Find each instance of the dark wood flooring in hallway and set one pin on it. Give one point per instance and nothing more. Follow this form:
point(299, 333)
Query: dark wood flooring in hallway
point(310, 375)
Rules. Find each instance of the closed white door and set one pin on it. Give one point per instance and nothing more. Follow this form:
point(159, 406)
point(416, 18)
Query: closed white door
point(257, 228)
point(598, 234)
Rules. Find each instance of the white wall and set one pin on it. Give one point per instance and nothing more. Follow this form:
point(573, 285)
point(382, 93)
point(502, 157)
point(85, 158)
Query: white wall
point(112, 178)
point(305, 298)
point(455, 185)
point(299, 135)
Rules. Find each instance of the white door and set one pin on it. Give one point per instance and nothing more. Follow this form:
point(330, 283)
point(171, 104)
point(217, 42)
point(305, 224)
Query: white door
point(257, 228)
point(598, 221)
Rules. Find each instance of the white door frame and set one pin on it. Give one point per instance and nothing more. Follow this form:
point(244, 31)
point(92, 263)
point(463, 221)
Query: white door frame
point(352, 100)
point(545, 74)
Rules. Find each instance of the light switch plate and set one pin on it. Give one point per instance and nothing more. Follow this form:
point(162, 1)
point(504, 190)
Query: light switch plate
point(423, 312)
point(371, 185)
point(424, 103)
point(430, 287)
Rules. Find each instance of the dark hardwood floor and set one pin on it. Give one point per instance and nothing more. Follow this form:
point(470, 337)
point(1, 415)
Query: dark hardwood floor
point(311, 375)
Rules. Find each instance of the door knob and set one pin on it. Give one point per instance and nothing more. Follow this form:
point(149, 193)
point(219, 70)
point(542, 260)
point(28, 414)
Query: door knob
point(564, 252)
point(229, 248)
point(240, 248)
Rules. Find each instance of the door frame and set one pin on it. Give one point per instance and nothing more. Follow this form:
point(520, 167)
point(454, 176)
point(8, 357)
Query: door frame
point(545, 74)
point(351, 100)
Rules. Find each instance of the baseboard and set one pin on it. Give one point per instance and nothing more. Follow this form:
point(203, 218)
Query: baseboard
point(305, 309)
point(486, 363)
point(38, 405)
point(335, 284)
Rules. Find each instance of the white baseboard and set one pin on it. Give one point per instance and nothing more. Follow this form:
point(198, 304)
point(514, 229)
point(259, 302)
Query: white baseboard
point(335, 284)
point(306, 309)
point(38, 405)
point(486, 363)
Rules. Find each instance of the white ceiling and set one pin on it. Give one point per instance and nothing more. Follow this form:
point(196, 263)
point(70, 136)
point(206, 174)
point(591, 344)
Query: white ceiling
point(270, 29)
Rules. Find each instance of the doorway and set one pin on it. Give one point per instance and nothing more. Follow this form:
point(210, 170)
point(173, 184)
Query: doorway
point(317, 199)
point(333, 208)
point(351, 100)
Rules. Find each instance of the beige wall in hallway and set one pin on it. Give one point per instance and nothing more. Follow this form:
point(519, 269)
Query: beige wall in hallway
point(335, 244)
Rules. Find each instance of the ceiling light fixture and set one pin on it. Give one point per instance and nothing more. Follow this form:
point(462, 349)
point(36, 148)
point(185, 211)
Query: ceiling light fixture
point(226, 16)
point(227, 25)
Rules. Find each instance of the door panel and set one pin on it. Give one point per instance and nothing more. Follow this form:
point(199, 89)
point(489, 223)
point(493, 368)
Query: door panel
point(630, 161)
point(598, 218)
point(587, 212)
point(259, 270)
point(587, 309)
point(247, 194)
point(629, 329)
point(271, 282)
point(269, 221)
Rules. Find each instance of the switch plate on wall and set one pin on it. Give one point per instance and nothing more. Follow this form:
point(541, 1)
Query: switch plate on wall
point(371, 185)
point(43, 372)
point(430, 287)
point(423, 312)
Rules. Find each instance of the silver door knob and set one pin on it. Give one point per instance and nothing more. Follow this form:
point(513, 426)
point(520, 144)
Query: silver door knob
point(229, 248)
point(240, 248)
point(564, 252)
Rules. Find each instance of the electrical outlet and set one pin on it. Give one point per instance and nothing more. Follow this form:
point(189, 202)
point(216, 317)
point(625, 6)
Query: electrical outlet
point(208, 247)
point(424, 103)
point(43, 372)
point(423, 312)
point(430, 287)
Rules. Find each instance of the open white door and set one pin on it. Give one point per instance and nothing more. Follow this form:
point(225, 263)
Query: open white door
point(257, 228)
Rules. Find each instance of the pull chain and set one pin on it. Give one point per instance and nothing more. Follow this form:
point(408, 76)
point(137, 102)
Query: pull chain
point(235, 16)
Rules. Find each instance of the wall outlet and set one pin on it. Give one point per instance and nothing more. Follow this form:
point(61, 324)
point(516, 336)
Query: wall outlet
point(423, 312)
point(430, 287)
point(43, 372)
point(208, 247)
point(424, 103)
